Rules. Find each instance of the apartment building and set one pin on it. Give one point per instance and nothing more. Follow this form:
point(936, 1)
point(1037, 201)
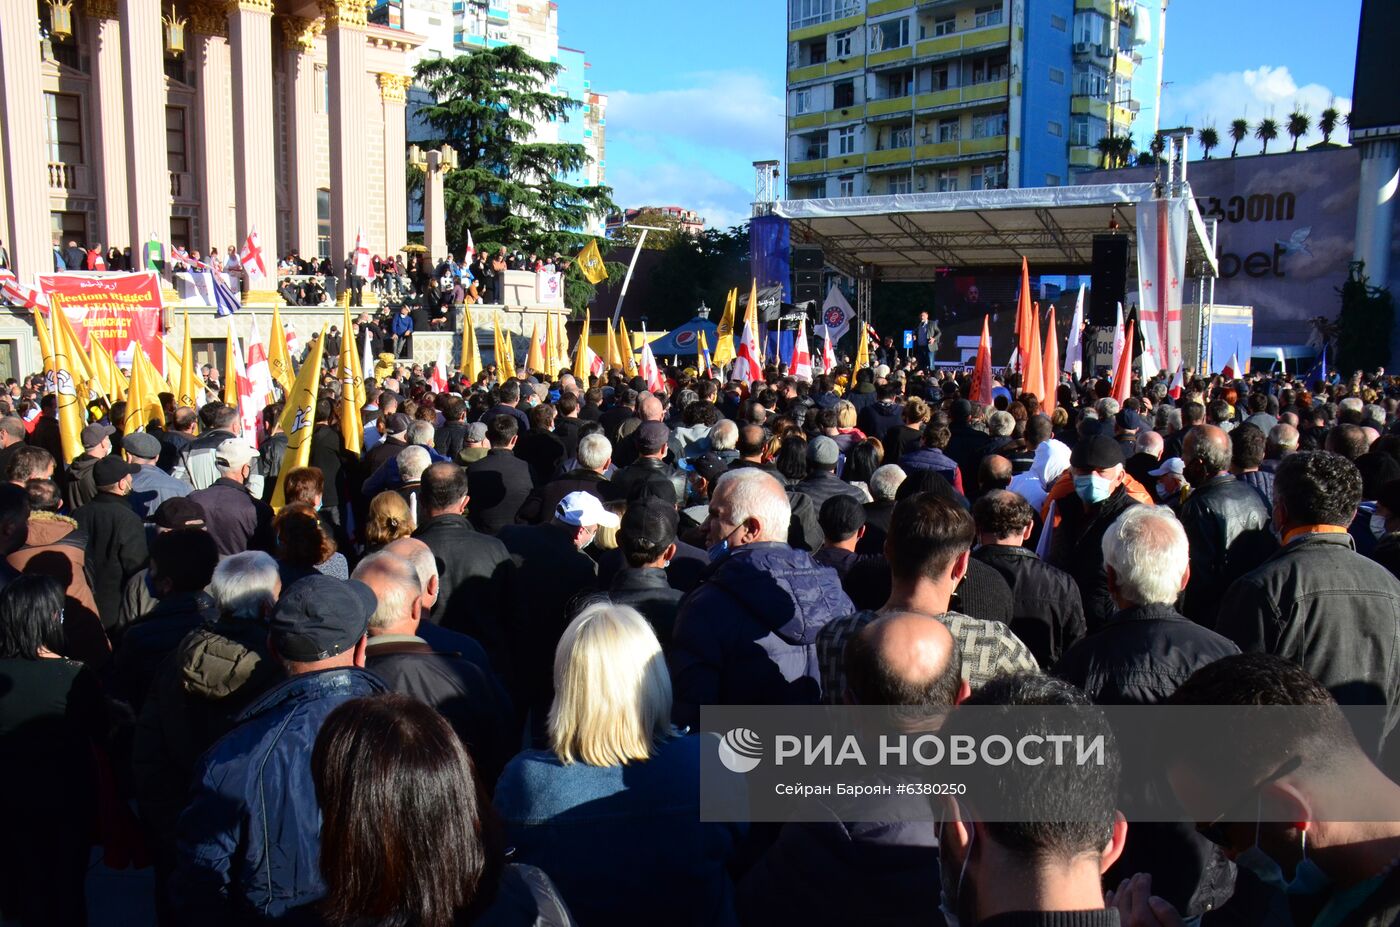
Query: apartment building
point(899, 96)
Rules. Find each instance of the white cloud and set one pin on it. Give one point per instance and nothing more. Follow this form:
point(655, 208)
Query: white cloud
point(1251, 94)
point(693, 145)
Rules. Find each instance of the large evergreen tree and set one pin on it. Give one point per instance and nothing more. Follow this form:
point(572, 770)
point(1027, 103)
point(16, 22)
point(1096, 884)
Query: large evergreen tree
point(507, 189)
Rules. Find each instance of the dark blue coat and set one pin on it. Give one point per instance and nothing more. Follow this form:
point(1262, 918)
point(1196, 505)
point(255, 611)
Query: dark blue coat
point(747, 634)
point(249, 840)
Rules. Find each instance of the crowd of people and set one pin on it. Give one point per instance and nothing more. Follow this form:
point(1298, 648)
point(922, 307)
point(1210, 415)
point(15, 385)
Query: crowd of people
point(457, 677)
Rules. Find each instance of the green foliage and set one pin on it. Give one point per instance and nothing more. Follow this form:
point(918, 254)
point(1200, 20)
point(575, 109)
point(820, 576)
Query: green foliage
point(506, 189)
point(1209, 139)
point(655, 241)
point(1298, 125)
point(1266, 132)
point(1239, 131)
point(699, 267)
point(578, 292)
point(1368, 313)
point(1327, 124)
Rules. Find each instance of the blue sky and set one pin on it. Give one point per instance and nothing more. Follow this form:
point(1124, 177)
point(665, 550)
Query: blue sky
point(696, 89)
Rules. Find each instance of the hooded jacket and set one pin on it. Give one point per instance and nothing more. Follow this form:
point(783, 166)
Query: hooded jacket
point(747, 635)
point(1051, 459)
point(55, 547)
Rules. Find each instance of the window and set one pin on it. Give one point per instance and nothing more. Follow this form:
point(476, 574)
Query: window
point(900, 138)
point(989, 69)
point(945, 26)
point(815, 147)
point(69, 226)
point(802, 101)
point(807, 13)
point(1122, 88)
point(1090, 80)
point(901, 183)
point(843, 93)
point(842, 44)
point(175, 159)
point(1058, 23)
point(1056, 129)
point(846, 185)
point(989, 125)
point(941, 75)
point(987, 16)
point(893, 33)
point(180, 235)
point(989, 176)
point(897, 84)
point(1086, 130)
point(323, 223)
point(846, 140)
point(816, 52)
point(1089, 28)
point(946, 180)
point(323, 90)
point(948, 130)
point(63, 112)
point(1057, 76)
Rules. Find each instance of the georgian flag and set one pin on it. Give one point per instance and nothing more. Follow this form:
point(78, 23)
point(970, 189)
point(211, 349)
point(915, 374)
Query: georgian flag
point(1074, 350)
point(1178, 383)
point(801, 367)
point(1232, 369)
point(828, 352)
point(650, 371)
point(259, 373)
point(439, 375)
point(19, 295)
point(249, 405)
point(363, 266)
point(596, 365)
point(251, 257)
point(470, 249)
point(747, 367)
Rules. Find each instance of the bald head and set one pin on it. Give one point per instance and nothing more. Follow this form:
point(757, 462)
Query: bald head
point(1283, 440)
point(395, 586)
point(420, 557)
point(904, 659)
point(1208, 444)
point(650, 408)
point(1149, 442)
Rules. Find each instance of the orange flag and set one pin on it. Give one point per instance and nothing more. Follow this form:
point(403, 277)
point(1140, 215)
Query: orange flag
point(1024, 318)
point(1050, 366)
point(982, 373)
point(1032, 381)
point(1123, 376)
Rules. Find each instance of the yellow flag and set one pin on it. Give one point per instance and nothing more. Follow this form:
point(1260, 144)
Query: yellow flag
point(551, 345)
point(505, 353)
point(83, 369)
point(352, 428)
point(187, 390)
point(534, 358)
point(751, 319)
point(109, 378)
point(862, 350)
point(614, 356)
point(172, 368)
point(299, 417)
point(702, 354)
point(724, 333)
point(143, 395)
point(279, 365)
point(230, 367)
point(624, 343)
point(581, 354)
point(590, 263)
point(471, 351)
point(59, 381)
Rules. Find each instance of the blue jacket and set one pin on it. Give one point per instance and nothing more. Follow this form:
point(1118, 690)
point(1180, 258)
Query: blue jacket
point(747, 634)
point(248, 842)
point(402, 325)
point(624, 844)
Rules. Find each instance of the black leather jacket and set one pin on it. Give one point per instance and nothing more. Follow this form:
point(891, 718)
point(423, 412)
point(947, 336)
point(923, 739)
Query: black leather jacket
point(1227, 526)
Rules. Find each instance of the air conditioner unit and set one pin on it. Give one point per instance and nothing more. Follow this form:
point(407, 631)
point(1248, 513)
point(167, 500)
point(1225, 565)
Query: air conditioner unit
point(1105, 51)
point(1133, 106)
point(1082, 48)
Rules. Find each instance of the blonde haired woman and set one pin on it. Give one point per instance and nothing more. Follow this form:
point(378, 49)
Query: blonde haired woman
point(611, 811)
point(389, 519)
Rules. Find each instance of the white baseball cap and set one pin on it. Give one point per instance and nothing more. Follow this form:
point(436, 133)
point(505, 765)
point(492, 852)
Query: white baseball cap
point(233, 453)
point(584, 510)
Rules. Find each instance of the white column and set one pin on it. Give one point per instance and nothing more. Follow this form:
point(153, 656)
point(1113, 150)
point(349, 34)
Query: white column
point(345, 59)
point(254, 143)
point(108, 114)
point(209, 25)
point(393, 90)
point(27, 232)
point(299, 40)
point(147, 166)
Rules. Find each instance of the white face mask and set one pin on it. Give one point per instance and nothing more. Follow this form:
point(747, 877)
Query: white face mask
point(1378, 525)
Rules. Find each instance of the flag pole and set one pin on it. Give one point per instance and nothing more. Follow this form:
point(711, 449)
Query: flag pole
point(636, 250)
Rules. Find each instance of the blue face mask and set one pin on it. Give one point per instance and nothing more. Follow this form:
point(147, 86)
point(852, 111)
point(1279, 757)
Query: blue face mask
point(1307, 879)
point(1092, 488)
point(720, 547)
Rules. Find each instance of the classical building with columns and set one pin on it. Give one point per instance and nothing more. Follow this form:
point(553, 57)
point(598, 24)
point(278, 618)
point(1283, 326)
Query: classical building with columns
point(199, 120)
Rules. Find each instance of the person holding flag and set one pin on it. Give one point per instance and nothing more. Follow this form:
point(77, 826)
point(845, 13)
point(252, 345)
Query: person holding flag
point(724, 332)
point(238, 389)
point(801, 366)
point(58, 379)
point(257, 367)
point(299, 419)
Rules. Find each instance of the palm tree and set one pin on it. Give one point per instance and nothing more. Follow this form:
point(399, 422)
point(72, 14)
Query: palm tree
point(1327, 123)
point(1105, 148)
point(1209, 140)
point(1124, 149)
point(1298, 125)
point(1239, 131)
point(1266, 132)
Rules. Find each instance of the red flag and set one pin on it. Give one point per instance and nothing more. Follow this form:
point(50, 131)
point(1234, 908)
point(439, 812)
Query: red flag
point(439, 374)
point(801, 366)
point(1232, 370)
point(1024, 319)
point(363, 266)
point(1050, 365)
point(252, 255)
point(650, 370)
point(1123, 376)
point(1178, 384)
point(1032, 380)
point(982, 373)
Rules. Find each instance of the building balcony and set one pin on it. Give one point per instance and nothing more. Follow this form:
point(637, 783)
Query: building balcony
point(1121, 115)
point(888, 107)
point(182, 186)
point(889, 156)
point(963, 148)
point(962, 42)
point(69, 179)
point(881, 7)
point(834, 25)
point(835, 164)
point(1084, 156)
point(962, 96)
point(813, 72)
point(499, 14)
point(889, 56)
point(832, 117)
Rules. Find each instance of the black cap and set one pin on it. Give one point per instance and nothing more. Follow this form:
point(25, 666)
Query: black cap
point(319, 617)
point(649, 522)
point(652, 437)
point(110, 470)
point(1096, 452)
point(1128, 420)
point(179, 512)
point(710, 466)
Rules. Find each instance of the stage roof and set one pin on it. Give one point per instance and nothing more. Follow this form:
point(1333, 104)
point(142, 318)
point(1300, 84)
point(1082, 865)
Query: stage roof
point(911, 236)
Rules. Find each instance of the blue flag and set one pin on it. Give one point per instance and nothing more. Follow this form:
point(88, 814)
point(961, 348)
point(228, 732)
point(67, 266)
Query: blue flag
point(1318, 375)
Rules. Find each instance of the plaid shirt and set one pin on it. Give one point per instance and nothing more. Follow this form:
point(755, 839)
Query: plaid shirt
point(989, 649)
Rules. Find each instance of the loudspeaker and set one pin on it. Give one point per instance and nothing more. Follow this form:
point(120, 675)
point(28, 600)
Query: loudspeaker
point(1108, 278)
point(806, 257)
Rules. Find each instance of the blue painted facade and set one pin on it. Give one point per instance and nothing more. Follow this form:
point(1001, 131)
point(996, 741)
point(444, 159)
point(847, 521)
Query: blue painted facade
point(1046, 96)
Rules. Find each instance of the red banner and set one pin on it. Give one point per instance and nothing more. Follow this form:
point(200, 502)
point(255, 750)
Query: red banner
point(114, 308)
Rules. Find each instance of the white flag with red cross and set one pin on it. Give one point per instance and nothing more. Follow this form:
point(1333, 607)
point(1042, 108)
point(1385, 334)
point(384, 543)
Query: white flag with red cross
point(251, 257)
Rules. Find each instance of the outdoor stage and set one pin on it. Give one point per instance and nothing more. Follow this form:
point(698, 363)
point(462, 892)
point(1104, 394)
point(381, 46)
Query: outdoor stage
point(919, 237)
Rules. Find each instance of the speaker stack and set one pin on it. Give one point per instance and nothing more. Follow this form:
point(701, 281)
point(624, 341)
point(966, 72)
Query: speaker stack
point(806, 273)
point(1108, 278)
